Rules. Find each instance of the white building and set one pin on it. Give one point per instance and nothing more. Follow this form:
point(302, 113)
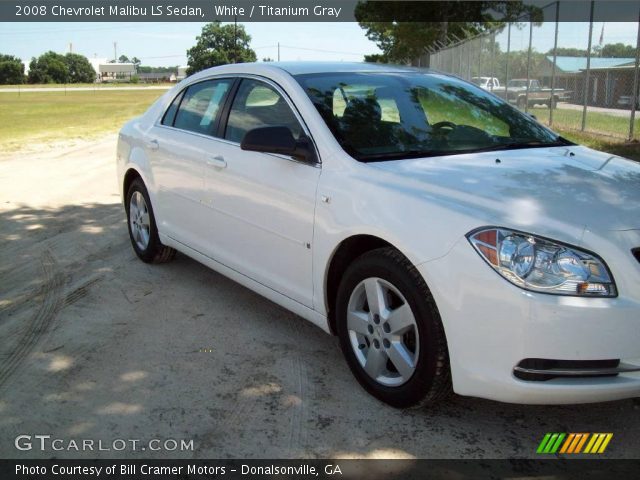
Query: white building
point(106, 71)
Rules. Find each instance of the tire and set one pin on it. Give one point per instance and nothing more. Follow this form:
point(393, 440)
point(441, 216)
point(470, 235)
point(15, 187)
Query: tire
point(378, 344)
point(521, 102)
point(141, 224)
point(553, 103)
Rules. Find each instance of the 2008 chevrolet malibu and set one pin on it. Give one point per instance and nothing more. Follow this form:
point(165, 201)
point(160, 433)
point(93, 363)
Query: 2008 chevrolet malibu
point(450, 241)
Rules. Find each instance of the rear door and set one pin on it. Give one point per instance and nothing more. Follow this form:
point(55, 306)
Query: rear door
point(180, 146)
point(261, 206)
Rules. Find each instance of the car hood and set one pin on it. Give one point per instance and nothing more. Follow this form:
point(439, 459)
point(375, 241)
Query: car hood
point(544, 190)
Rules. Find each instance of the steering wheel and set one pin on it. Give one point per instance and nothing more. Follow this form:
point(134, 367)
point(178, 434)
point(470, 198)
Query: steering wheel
point(444, 125)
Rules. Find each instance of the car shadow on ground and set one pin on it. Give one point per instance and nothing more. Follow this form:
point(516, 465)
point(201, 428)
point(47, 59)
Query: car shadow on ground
point(99, 345)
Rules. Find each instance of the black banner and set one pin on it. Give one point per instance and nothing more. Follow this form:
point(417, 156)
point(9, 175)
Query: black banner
point(316, 469)
point(311, 10)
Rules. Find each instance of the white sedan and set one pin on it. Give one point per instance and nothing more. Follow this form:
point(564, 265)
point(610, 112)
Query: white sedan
point(450, 241)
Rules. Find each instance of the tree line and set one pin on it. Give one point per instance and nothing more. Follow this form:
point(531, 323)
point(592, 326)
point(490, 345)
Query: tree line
point(50, 67)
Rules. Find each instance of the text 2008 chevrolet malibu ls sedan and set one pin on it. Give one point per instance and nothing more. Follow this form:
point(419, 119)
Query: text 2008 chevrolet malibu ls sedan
point(449, 240)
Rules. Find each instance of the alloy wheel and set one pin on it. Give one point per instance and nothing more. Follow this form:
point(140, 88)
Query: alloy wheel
point(383, 332)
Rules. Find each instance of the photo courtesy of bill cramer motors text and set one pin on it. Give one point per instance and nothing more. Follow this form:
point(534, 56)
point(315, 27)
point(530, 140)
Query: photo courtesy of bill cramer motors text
point(124, 469)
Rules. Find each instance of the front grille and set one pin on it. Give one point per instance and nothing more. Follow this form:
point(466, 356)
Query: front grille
point(541, 369)
point(636, 253)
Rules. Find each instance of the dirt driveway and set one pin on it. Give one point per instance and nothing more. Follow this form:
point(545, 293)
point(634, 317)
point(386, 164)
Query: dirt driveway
point(97, 345)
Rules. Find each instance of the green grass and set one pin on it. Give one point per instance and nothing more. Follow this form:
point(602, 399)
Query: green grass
point(597, 122)
point(95, 86)
point(611, 145)
point(53, 116)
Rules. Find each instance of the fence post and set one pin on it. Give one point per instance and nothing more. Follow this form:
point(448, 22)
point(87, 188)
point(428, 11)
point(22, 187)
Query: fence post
point(634, 97)
point(479, 73)
point(526, 92)
point(492, 73)
point(586, 77)
point(506, 73)
point(553, 71)
point(469, 45)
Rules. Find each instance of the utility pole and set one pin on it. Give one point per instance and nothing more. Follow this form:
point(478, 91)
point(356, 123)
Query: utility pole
point(235, 39)
point(278, 51)
point(115, 52)
point(70, 47)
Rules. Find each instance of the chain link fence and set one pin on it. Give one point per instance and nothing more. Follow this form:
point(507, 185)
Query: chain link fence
point(571, 75)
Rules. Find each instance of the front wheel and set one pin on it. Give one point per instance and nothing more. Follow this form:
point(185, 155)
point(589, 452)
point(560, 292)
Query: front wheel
point(390, 330)
point(142, 226)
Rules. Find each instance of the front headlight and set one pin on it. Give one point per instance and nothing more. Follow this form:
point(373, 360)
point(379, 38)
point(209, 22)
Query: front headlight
point(542, 265)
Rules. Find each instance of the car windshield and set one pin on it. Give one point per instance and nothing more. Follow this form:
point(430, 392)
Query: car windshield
point(387, 116)
point(517, 83)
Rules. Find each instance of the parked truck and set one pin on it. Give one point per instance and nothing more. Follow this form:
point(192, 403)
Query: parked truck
point(516, 93)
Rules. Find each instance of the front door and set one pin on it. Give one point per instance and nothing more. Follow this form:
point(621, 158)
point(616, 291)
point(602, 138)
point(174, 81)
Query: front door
point(261, 206)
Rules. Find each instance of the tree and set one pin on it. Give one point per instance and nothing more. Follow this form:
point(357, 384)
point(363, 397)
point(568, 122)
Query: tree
point(402, 34)
point(123, 59)
point(11, 70)
point(136, 62)
point(79, 68)
point(50, 67)
point(218, 45)
point(618, 50)
point(376, 58)
point(568, 52)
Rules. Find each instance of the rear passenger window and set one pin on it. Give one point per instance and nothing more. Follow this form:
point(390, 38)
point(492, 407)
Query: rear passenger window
point(259, 105)
point(170, 114)
point(201, 105)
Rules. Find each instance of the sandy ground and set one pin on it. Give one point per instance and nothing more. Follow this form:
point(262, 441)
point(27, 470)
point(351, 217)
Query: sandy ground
point(98, 345)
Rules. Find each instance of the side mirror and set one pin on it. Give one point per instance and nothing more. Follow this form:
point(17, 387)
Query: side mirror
point(278, 140)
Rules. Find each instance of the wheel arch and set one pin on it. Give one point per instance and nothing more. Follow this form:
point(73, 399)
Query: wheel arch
point(130, 175)
point(348, 250)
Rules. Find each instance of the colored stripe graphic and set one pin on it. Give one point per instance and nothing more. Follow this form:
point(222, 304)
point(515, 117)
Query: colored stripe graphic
point(598, 443)
point(573, 443)
point(551, 442)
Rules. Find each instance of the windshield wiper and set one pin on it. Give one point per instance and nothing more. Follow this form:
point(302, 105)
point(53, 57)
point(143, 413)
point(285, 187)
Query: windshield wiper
point(560, 142)
point(381, 157)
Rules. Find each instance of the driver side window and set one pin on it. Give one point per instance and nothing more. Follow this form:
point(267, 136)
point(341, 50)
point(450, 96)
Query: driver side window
point(256, 105)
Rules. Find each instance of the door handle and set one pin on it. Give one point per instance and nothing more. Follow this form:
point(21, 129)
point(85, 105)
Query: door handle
point(153, 145)
point(217, 162)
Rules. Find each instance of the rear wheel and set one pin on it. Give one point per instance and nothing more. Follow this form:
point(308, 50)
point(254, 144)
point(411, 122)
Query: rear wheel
point(390, 330)
point(522, 103)
point(142, 226)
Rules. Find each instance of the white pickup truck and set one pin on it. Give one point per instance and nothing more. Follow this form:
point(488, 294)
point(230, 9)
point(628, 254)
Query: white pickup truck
point(486, 83)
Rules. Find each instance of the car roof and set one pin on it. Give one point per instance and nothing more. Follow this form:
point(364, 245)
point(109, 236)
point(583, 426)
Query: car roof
point(299, 68)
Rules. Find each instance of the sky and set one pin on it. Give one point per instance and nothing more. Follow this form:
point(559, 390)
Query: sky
point(165, 44)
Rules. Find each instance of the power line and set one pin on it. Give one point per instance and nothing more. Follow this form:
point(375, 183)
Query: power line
point(309, 49)
point(72, 30)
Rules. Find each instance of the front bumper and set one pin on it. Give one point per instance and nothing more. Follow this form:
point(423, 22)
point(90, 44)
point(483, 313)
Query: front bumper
point(492, 326)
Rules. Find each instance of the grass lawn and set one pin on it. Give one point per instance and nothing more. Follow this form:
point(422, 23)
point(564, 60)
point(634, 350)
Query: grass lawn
point(597, 122)
point(95, 86)
point(605, 144)
point(54, 116)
